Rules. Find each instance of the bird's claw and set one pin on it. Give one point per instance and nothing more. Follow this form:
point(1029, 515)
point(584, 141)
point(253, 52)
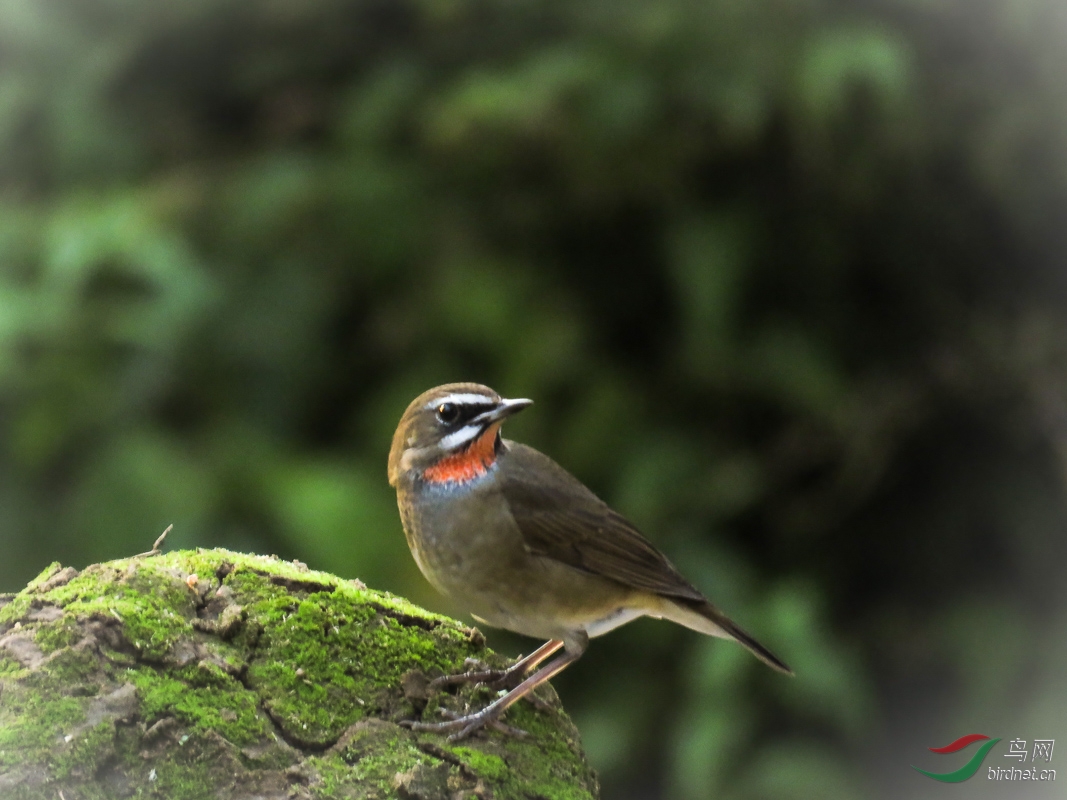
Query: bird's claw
point(460, 726)
point(477, 672)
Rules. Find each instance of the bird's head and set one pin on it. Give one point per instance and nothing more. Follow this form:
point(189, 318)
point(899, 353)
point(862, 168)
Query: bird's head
point(450, 433)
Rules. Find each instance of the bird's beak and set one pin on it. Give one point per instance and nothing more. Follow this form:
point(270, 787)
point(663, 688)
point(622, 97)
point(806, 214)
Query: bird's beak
point(503, 410)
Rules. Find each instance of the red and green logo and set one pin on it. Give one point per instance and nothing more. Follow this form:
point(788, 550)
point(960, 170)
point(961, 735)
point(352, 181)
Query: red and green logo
point(968, 769)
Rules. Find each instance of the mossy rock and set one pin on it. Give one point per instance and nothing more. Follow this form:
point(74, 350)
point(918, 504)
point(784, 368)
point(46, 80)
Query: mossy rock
point(213, 674)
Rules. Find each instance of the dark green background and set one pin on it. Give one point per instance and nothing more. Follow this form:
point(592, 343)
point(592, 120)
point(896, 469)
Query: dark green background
point(787, 280)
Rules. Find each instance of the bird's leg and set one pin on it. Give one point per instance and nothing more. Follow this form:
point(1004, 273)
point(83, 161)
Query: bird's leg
point(501, 678)
point(461, 727)
point(513, 675)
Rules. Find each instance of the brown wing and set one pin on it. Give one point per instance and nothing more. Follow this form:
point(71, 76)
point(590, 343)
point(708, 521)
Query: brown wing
point(561, 519)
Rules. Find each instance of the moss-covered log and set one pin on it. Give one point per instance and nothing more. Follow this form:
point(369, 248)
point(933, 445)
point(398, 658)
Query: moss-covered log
point(212, 674)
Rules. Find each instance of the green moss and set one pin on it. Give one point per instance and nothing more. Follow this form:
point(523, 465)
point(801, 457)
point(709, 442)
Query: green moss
point(309, 657)
point(45, 574)
point(557, 743)
point(77, 671)
point(226, 706)
point(486, 765)
point(30, 721)
point(154, 605)
point(57, 635)
point(548, 770)
point(373, 773)
point(9, 667)
point(16, 610)
point(305, 664)
point(325, 662)
point(180, 780)
point(334, 779)
point(88, 750)
point(382, 769)
point(374, 751)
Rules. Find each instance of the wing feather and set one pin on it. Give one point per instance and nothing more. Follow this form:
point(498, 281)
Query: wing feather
point(561, 519)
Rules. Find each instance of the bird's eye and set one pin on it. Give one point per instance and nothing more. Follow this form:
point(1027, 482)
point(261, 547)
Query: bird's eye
point(447, 413)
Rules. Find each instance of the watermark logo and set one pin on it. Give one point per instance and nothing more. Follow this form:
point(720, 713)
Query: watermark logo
point(968, 769)
point(1041, 750)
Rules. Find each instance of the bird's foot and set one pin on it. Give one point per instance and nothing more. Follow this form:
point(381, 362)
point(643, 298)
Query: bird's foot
point(479, 672)
point(495, 723)
point(509, 678)
point(460, 726)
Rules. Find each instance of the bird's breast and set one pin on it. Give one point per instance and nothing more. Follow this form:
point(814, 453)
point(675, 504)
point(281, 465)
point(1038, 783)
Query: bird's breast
point(460, 533)
point(468, 545)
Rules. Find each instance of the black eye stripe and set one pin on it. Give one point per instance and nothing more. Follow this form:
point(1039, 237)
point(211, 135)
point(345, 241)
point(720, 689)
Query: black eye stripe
point(467, 412)
point(457, 414)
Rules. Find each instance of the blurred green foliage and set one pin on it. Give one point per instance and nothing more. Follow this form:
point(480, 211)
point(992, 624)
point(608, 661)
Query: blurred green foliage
point(786, 279)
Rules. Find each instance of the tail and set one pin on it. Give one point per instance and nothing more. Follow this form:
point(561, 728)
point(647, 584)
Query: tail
point(702, 616)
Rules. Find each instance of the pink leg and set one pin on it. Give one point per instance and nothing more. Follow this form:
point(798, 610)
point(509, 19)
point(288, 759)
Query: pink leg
point(506, 678)
point(461, 727)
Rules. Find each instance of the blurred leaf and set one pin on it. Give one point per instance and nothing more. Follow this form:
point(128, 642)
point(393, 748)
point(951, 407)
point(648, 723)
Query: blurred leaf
point(709, 257)
point(707, 742)
point(341, 516)
point(799, 770)
point(837, 62)
point(830, 682)
point(798, 370)
point(135, 488)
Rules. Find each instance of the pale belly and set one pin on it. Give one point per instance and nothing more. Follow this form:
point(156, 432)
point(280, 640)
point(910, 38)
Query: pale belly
point(467, 546)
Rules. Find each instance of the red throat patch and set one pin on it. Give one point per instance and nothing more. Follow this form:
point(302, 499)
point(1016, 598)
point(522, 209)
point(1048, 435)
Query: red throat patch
point(472, 462)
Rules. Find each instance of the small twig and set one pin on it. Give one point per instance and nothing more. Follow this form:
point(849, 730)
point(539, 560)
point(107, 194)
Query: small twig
point(155, 551)
point(159, 542)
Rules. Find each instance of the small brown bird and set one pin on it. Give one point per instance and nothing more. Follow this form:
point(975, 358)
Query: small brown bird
point(524, 545)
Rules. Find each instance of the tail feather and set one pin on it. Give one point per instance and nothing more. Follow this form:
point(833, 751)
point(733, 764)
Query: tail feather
point(702, 616)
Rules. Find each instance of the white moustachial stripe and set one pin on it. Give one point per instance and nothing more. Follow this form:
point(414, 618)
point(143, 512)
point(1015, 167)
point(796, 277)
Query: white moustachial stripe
point(460, 437)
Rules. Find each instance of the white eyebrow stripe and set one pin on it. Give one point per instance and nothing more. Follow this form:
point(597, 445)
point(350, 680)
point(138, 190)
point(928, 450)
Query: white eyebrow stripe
point(463, 398)
point(460, 437)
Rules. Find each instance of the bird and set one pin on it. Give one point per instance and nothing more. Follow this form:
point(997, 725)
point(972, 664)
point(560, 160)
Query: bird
point(523, 545)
